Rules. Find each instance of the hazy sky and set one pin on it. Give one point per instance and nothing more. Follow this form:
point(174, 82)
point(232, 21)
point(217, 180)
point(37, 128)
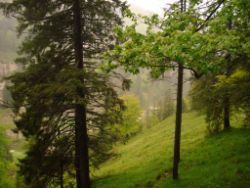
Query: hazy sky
point(155, 6)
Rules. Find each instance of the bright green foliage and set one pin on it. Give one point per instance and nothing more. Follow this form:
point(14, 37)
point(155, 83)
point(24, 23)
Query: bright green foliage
point(198, 44)
point(131, 116)
point(145, 161)
point(169, 40)
point(209, 41)
point(228, 34)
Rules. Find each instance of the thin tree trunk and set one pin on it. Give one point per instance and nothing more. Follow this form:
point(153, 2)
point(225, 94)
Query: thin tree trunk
point(81, 134)
point(177, 140)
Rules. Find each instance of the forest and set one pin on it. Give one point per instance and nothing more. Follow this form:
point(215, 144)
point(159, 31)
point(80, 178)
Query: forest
point(124, 94)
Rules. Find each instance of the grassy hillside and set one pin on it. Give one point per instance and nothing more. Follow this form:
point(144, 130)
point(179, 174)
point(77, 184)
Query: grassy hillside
point(219, 161)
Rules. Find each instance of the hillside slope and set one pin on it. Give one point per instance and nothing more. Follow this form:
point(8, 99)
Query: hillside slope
point(222, 160)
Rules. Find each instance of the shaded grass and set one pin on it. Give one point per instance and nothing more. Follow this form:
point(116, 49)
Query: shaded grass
point(146, 160)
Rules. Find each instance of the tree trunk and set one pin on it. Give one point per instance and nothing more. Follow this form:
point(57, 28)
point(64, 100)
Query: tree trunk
point(177, 140)
point(178, 123)
point(226, 113)
point(81, 134)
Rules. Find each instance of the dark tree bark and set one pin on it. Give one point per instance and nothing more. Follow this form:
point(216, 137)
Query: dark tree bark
point(81, 134)
point(177, 140)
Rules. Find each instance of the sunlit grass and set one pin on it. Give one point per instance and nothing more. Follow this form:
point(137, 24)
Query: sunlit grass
point(146, 160)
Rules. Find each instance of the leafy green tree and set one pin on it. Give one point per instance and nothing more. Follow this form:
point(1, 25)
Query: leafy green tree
point(198, 39)
point(216, 92)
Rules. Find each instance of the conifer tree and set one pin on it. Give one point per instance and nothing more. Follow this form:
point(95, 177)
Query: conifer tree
point(63, 104)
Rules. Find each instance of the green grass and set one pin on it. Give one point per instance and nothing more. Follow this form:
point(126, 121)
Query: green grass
point(222, 160)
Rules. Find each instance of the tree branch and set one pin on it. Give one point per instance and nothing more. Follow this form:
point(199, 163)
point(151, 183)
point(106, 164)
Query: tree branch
point(210, 16)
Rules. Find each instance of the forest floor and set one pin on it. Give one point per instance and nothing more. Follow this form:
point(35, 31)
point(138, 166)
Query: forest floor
point(218, 161)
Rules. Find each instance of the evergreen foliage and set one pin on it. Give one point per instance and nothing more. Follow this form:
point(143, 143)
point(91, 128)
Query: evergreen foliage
point(45, 92)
